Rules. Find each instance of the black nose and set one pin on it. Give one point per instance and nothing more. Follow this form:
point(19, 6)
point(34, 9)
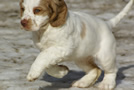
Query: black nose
point(24, 22)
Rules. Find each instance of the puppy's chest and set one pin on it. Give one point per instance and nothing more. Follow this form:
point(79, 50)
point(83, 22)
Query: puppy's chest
point(41, 41)
point(45, 40)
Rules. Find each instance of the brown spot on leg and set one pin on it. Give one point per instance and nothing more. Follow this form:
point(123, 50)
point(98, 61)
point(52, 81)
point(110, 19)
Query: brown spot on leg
point(92, 72)
point(98, 75)
point(91, 62)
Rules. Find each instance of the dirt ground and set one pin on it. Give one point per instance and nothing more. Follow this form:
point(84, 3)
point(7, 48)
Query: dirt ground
point(17, 51)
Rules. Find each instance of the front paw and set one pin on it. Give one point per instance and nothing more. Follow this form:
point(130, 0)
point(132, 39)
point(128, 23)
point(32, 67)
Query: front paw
point(32, 76)
point(58, 71)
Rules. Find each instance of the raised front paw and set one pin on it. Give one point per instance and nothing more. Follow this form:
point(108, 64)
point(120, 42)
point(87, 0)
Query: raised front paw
point(32, 76)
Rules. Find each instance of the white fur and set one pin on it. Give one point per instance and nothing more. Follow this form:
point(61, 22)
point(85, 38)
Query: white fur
point(58, 44)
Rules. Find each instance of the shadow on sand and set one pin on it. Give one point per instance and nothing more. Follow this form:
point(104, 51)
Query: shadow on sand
point(64, 82)
point(120, 75)
point(72, 76)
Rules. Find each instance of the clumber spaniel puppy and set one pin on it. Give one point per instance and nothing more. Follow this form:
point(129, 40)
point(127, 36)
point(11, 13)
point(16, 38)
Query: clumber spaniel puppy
point(63, 35)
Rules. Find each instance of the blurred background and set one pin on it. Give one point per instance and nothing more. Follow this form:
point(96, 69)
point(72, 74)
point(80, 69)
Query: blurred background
point(17, 51)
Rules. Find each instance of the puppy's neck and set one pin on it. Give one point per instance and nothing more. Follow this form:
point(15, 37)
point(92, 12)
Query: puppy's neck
point(40, 32)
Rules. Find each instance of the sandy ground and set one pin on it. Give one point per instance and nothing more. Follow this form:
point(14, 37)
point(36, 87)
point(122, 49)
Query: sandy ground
point(17, 51)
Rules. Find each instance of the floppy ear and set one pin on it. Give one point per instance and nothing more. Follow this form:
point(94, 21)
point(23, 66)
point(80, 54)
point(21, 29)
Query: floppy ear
point(58, 13)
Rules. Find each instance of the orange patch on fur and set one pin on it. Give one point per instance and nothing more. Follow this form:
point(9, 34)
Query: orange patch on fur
point(29, 25)
point(43, 7)
point(21, 8)
point(21, 1)
point(83, 32)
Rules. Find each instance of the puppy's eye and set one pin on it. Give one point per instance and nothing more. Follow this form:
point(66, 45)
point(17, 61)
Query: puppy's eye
point(37, 10)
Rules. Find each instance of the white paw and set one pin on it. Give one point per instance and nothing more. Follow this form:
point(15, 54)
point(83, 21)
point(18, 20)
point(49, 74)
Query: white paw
point(81, 84)
point(58, 71)
point(32, 76)
point(62, 71)
point(106, 85)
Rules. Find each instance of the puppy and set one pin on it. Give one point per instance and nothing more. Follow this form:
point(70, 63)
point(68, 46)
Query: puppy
point(63, 35)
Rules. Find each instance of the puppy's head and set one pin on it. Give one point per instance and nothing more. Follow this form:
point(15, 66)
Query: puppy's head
point(36, 14)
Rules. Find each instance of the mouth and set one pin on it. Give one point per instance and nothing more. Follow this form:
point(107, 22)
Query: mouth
point(26, 28)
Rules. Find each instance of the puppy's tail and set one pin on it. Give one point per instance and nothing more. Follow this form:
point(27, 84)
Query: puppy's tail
point(114, 21)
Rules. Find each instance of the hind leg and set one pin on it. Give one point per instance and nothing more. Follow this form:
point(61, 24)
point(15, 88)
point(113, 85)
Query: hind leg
point(92, 73)
point(106, 58)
